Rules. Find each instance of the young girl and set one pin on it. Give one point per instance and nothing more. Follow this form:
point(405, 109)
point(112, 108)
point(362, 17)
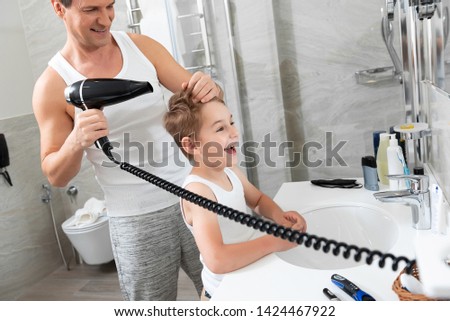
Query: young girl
point(205, 132)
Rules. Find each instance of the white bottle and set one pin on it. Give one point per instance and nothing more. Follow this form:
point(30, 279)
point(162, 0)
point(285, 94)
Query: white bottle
point(396, 164)
point(382, 165)
point(438, 211)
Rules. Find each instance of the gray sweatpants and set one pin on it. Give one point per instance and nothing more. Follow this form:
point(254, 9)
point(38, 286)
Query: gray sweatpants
point(149, 250)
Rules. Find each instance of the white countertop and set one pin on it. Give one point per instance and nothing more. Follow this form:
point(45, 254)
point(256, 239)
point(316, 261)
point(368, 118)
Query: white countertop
point(271, 278)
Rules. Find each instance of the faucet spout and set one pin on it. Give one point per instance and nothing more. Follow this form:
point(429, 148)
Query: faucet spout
point(393, 196)
point(417, 198)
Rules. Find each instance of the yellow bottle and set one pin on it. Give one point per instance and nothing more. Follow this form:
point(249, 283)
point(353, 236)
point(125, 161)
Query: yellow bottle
point(382, 164)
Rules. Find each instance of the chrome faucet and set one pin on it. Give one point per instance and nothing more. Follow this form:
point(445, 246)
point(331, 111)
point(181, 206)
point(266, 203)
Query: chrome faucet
point(417, 196)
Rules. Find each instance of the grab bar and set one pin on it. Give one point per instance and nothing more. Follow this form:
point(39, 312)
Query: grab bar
point(191, 15)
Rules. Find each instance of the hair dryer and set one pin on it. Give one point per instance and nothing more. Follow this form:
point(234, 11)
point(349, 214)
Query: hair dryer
point(100, 92)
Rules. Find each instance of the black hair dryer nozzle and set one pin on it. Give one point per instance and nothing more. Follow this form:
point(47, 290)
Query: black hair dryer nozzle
point(100, 92)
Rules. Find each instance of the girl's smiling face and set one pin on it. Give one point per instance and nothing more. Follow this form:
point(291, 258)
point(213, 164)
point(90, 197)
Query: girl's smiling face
point(218, 138)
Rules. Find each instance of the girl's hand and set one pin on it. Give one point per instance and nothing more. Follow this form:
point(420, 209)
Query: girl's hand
point(291, 219)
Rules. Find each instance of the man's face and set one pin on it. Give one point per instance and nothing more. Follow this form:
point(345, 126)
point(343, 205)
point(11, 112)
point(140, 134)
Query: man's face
point(89, 21)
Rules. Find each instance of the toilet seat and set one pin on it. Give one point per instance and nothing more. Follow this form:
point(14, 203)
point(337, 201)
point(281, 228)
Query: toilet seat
point(68, 225)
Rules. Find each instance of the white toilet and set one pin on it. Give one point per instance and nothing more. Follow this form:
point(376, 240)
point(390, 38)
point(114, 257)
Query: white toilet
point(92, 241)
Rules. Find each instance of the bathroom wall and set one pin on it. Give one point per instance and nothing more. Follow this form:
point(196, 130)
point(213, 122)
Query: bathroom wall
point(31, 34)
point(296, 64)
point(28, 247)
point(15, 66)
point(301, 57)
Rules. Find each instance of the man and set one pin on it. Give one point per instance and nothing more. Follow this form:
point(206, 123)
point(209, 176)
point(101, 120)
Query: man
point(150, 241)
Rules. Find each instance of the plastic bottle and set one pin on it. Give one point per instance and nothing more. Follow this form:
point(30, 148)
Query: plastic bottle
point(369, 166)
point(382, 164)
point(376, 141)
point(396, 163)
point(438, 211)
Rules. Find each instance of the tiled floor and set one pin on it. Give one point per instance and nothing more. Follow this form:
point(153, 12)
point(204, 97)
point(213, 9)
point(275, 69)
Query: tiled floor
point(91, 283)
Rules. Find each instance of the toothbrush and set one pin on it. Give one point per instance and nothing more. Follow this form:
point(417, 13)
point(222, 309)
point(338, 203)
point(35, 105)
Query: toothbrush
point(405, 169)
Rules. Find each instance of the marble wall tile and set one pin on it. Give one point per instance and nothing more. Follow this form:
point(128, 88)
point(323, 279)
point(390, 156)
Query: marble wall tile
point(297, 64)
point(328, 50)
point(28, 247)
point(16, 81)
point(28, 243)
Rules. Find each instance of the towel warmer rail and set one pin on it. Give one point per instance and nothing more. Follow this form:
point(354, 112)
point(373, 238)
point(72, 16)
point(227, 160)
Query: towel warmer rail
point(134, 14)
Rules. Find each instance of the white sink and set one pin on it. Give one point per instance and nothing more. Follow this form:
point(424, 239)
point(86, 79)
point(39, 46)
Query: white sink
point(357, 224)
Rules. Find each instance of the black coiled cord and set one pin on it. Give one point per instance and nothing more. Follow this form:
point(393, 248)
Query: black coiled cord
point(269, 227)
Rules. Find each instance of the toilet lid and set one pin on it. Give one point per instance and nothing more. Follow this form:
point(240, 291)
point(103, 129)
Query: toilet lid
point(69, 226)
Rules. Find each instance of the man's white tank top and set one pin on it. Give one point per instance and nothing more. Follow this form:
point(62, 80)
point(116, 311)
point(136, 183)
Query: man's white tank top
point(137, 133)
point(232, 232)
